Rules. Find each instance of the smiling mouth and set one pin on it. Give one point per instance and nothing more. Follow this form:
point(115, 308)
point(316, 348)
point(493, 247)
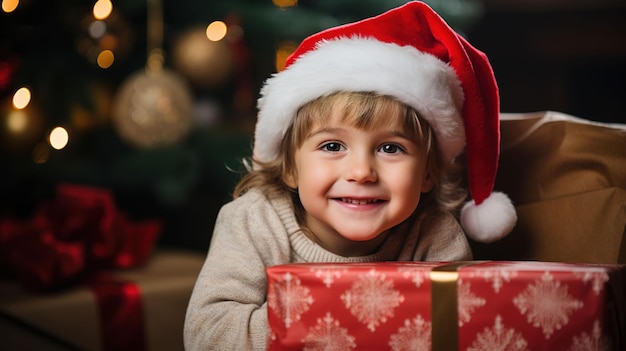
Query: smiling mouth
point(358, 201)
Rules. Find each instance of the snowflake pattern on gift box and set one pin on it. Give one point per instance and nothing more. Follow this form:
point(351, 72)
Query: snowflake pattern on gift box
point(415, 335)
point(547, 304)
point(593, 341)
point(497, 276)
point(289, 299)
point(372, 299)
point(328, 334)
point(597, 279)
point(416, 276)
point(499, 338)
point(468, 302)
point(328, 275)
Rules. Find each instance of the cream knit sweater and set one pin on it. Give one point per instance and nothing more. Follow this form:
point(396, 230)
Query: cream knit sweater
point(228, 310)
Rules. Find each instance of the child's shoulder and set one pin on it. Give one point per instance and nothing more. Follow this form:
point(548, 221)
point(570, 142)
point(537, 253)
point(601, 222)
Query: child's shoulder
point(255, 201)
point(259, 215)
point(250, 199)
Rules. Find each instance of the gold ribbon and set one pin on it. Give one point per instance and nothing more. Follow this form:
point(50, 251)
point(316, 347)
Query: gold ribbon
point(444, 306)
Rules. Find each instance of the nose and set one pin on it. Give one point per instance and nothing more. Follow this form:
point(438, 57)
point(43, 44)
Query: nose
point(361, 168)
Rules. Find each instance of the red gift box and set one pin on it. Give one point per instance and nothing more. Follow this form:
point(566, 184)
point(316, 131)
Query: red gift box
point(474, 306)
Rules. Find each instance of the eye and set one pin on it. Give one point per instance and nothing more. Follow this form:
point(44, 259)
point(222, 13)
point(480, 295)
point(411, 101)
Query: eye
point(332, 147)
point(391, 149)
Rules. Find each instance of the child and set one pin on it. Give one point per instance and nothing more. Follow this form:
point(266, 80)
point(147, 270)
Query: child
point(356, 159)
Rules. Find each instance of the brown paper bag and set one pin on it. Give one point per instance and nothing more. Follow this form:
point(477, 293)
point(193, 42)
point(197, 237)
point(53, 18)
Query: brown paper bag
point(567, 179)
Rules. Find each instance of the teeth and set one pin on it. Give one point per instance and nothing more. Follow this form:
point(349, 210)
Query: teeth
point(357, 202)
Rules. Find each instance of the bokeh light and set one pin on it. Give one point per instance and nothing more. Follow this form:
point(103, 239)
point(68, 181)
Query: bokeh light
point(20, 128)
point(97, 29)
point(97, 35)
point(102, 9)
point(285, 3)
point(58, 138)
point(216, 31)
point(109, 42)
point(9, 5)
point(284, 50)
point(16, 121)
point(106, 59)
point(21, 98)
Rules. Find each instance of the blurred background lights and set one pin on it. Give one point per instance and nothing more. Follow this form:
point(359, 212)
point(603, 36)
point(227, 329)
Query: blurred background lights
point(21, 98)
point(21, 122)
point(16, 121)
point(106, 59)
point(102, 9)
point(285, 3)
point(58, 138)
point(284, 50)
point(97, 29)
point(109, 42)
point(216, 31)
point(9, 5)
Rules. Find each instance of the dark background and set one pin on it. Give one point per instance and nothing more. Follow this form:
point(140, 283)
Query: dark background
point(567, 56)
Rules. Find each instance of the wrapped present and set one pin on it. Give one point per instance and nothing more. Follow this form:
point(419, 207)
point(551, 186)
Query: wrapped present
point(573, 169)
point(141, 308)
point(489, 305)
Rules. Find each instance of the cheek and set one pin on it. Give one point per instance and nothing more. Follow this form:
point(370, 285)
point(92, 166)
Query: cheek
point(408, 199)
point(307, 162)
point(410, 192)
point(313, 175)
point(314, 182)
point(408, 184)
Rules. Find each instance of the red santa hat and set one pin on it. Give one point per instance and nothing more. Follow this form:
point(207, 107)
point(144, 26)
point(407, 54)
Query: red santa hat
point(409, 53)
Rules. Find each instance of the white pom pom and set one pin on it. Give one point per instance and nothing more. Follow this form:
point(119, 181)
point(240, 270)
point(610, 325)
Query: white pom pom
point(492, 220)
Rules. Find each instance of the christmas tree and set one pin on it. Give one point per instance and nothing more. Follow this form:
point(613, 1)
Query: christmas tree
point(81, 103)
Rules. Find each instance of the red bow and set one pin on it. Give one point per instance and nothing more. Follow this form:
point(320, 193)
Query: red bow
point(76, 233)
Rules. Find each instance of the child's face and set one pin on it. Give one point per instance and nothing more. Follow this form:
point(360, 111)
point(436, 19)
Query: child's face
point(355, 184)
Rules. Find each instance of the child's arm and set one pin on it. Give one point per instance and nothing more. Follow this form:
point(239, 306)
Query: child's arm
point(227, 310)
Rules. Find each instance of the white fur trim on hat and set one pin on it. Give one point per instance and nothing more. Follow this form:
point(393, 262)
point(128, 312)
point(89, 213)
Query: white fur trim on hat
point(493, 219)
point(415, 78)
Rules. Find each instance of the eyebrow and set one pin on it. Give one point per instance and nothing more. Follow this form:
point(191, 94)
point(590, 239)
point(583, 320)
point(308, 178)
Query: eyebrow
point(337, 130)
point(324, 130)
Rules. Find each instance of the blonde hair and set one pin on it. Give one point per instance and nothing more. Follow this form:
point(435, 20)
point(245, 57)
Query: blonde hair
point(361, 110)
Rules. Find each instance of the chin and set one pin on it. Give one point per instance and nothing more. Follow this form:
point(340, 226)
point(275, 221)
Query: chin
point(360, 236)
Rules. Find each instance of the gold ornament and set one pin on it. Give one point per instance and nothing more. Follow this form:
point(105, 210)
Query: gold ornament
point(152, 109)
point(206, 63)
